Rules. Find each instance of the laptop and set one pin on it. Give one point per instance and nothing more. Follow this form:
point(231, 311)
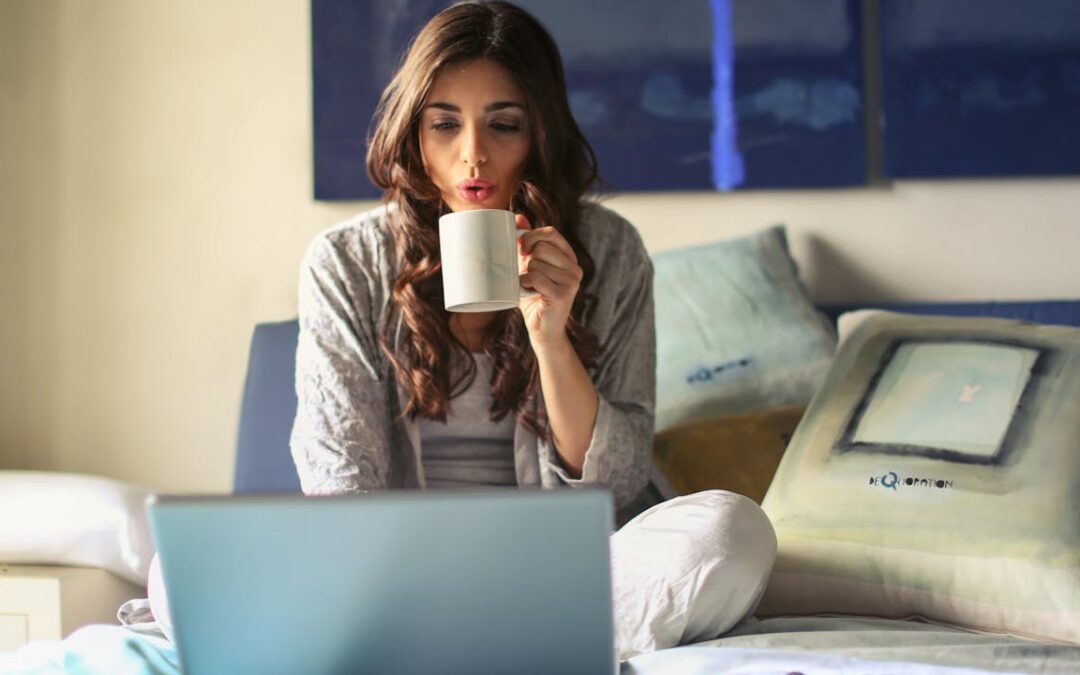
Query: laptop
point(402, 582)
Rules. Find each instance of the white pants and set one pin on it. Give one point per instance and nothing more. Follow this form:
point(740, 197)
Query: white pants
point(685, 570)
point(689, 569)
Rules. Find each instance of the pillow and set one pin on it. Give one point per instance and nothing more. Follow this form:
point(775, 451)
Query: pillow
point(735, 331)
point(687, 570)
point(935, 474)
point(739, 453)
point(69, 519)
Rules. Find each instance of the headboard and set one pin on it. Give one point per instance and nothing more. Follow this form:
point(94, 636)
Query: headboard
point(263, 461)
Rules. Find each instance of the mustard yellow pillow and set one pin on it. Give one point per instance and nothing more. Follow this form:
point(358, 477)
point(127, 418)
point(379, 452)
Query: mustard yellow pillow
point(739, 453)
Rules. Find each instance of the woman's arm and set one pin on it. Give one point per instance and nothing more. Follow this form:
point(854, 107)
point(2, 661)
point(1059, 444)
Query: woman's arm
point(341, 436)
point(617, 432)
point(550, 268)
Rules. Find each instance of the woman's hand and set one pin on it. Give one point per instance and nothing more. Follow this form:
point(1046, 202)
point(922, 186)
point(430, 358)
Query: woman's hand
point(547, 265)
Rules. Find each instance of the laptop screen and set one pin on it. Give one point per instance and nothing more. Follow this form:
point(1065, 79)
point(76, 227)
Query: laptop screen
point(401, 582)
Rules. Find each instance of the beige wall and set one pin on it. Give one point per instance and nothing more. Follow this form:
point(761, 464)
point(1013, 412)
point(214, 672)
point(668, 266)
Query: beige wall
point(155, 200)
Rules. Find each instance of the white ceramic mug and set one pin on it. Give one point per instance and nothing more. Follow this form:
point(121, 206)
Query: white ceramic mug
point(480, 260)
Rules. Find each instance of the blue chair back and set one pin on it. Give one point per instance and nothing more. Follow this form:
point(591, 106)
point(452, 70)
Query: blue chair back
point(263, 461)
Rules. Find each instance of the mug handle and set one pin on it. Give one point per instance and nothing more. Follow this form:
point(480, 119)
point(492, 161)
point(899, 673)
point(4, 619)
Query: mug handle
point(524, 292)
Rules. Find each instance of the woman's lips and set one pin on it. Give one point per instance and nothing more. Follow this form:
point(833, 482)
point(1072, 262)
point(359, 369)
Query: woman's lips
point(475, 190)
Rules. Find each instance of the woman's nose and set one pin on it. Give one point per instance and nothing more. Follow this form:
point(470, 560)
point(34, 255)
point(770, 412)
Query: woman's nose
point(473, 152)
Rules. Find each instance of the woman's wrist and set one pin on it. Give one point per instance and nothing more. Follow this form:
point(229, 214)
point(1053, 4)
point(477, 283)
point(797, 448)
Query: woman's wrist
point(552, 347)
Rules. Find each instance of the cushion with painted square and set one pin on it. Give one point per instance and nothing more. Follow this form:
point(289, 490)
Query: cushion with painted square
point(935, 474)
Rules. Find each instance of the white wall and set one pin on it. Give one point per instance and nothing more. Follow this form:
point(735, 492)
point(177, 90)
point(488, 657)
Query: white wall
point(155, 198)
point(916, 240)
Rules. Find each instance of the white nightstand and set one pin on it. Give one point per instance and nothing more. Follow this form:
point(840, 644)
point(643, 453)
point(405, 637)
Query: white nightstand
point(49, 602)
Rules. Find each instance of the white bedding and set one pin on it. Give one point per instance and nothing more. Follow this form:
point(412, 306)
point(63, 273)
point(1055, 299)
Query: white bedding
point(808, 645)
point(54, 518)
point(812, 645)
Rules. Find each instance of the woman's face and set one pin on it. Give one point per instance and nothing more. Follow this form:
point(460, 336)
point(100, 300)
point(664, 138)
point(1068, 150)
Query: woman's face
point(474, 135)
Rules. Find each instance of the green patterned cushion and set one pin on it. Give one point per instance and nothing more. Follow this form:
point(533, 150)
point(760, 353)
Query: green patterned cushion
point(735, 331)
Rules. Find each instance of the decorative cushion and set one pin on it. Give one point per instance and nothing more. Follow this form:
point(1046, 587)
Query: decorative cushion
point(739, 453)
point(735, 331)
point(70, 519)
point(935, 474)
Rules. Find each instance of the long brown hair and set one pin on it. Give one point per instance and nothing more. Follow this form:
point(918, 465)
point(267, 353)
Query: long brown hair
point(560, 169)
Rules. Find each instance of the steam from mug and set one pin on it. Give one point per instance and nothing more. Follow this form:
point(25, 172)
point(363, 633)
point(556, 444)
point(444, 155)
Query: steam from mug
point(480, 261)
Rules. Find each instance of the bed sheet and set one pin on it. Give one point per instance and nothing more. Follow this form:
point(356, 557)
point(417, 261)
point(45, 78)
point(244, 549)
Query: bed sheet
point(829, 644)
point(96, 650)
point(781, 646)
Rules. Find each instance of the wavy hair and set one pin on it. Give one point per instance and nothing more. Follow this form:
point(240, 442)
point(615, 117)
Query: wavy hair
point(560, 170)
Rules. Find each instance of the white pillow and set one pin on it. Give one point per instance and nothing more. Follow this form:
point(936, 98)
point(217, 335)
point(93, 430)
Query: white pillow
point(688, 569)
point(69, 519)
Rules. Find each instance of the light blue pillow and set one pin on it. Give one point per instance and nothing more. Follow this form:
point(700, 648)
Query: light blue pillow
point(735, 330)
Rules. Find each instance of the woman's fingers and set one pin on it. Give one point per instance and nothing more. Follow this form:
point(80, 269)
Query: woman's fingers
point(551, 282)
point(546, 287)
point(549, 264)
point(548, 235)
point(558, 275)
point(547, 252)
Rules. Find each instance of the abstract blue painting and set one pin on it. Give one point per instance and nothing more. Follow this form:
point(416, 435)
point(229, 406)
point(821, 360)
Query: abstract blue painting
point(685, 95)
point(798, 93)
point(980, 87)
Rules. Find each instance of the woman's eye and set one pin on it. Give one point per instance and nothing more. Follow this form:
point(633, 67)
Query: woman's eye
point(506, 127)
point(443, 125)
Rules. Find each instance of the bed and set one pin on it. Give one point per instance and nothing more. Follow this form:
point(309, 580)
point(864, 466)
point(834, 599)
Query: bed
point(793, 636)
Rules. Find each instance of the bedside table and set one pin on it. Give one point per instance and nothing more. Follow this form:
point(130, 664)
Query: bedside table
point(49, 602)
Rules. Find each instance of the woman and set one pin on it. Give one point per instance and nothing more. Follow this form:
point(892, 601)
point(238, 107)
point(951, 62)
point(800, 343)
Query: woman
point(393, 390)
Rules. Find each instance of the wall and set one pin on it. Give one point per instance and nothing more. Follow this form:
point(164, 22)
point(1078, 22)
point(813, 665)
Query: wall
point(26, 211)
point(155, 198)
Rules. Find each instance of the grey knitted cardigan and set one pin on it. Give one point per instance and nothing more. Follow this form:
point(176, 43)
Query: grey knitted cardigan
point(349, 434)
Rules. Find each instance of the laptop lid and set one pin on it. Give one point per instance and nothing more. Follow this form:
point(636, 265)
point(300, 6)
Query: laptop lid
point(398, 582)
